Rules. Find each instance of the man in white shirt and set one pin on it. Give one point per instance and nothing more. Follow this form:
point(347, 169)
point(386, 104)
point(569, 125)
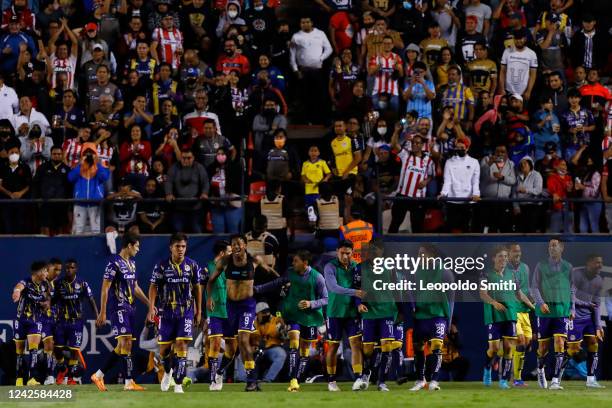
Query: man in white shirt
point(9, 102)
point(309, 48)
point(461, 180)
point(519, 66)
point(482, 13)
point(27, 115)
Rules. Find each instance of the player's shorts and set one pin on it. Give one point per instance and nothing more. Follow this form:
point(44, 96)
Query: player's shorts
point(69, 333)
point(308, 333)
point(579, 329)
point(48, 327)
point(173, 326)
point(523, 325)
point(552, 326)
point(337, 325)
point(375, 330)
point(499, 330)
point(122, 322)
point(218, 326)
point(23, 327)
point(427, 329)
point(241, 316)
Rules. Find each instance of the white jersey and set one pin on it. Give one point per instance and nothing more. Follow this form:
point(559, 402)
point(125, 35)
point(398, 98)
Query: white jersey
point(64, 65)
point(414, 170)
point(518, 64)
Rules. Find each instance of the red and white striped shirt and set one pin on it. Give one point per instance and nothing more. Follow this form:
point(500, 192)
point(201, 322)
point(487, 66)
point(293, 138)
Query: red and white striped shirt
point(105, 154)
point(169, 42)
point(65, 65)
point(383, 79)
point(72, 148)
point(414, 170)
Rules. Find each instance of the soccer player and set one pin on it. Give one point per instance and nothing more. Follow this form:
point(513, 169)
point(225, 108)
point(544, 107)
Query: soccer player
point(176, 280)
point(239, 269)
point(378, 313)
point(302, 310)
point(551, 290)
point(54, 268)
point(586, 328)
point(500, 308)
point(120, 280)
point(32, 296)
point(68, 297)
point(218, 324)
point(432, 316)
point(342, 315)
point(523, 324)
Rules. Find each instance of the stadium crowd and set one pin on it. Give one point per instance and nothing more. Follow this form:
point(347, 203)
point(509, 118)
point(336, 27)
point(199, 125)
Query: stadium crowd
point(194, 103)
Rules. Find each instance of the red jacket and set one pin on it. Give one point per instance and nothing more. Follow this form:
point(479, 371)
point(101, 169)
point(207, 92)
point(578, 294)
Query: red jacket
point(238, 63)
point(135, 162)
point(557, 185)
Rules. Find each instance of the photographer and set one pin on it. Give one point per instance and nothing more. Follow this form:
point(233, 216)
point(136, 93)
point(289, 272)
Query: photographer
point(88, 178)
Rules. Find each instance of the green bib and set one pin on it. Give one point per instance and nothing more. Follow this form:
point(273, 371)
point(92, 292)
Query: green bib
point(219, 294)
point(302, 290)
point(430, 304)
point(380, 303)
point(522, 276)
point(555, 288)
point(341, 305)
point(505, 297)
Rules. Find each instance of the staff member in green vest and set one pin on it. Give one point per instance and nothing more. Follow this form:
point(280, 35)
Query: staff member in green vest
point(217, 321)
point(501, 303)
point(551, 289)
point(302, 310)
point(378, 312)
point(523, 323)
point(432, 316)
point(342, 315)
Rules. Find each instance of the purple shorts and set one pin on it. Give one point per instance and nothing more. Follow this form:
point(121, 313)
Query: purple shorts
point(122, 322)
point(399, 332)
point(241, 316)
point(23, 327)
point(306, 332)
point(551, 326)
point(375, 330)
point(218, 326)
point(48, 327)
point(173, 326)
point(336, 325)
point(69, 333)
point(580, 328)
point(501, 329)
point(427, 329)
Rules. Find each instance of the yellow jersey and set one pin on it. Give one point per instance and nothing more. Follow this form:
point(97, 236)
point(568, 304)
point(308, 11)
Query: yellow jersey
point(343, 154)
point(315, 171)
point(481, 72)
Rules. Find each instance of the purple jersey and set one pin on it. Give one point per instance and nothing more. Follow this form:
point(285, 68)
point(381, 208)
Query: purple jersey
point(122, 275)
point(587, 290)
point(68, 298)
point(175, 284)
point(33, 296)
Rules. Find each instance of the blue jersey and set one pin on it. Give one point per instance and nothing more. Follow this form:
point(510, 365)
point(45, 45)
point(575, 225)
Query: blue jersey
point(175, 284)
point(68, 298)
point(122, 275)
point(31, 304)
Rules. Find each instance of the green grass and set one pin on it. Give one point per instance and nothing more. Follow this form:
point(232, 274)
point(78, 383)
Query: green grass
point(452, 395)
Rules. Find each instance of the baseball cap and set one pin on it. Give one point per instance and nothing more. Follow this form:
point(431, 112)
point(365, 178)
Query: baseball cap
point(413, 47)
point(517, 96)
point(261, 306)
point(91, 27)
point(98, 46)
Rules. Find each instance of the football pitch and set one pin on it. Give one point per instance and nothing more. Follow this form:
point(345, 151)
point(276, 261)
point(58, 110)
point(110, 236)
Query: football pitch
point(468, 394)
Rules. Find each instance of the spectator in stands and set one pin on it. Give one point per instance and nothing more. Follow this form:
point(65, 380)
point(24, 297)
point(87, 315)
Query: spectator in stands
point(344, 74)
point(35, 147)
point(276, 76)
point(447, 21)
point(167, 42)
point(187, 179)
point(226, 181)
point(135, 156)
point(560, 186)
point(15, 181)
point(195, 120)
point(139, 116)
point(122, 207)
point(385, 70)
point(10, 45)
point(546, 127)
point(577, 124)
point(152, 215)
point(51, 181)
point(67, 119)
point(88, 178)
point(9, 102)
point(309, 49)
point(205, 148)
point(587, 185)
point(556, 91)
point(282, 162)
point(498, 180)
point(529, 184)
point(588, 46)
point(461, 180)
point(515, 63)
point(265, 125)
point(419, 92)
point(230, 17)
point(27, 116)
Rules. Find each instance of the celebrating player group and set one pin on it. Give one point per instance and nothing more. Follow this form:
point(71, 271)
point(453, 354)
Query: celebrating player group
point(219, 299)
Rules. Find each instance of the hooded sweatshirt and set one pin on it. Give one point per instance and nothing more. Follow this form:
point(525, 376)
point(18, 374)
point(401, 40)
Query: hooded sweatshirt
point(89, 180)
point(502, 188)
point(225, 18)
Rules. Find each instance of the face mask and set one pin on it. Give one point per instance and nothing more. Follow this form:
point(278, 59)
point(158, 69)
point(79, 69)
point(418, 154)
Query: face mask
point(461, 153)
point(270, 112)
point(14, 157)
point(382, 131)
point(382, 104)
point(279, 144)
point(221, 158)
point(259, 8)
point(232, 14)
